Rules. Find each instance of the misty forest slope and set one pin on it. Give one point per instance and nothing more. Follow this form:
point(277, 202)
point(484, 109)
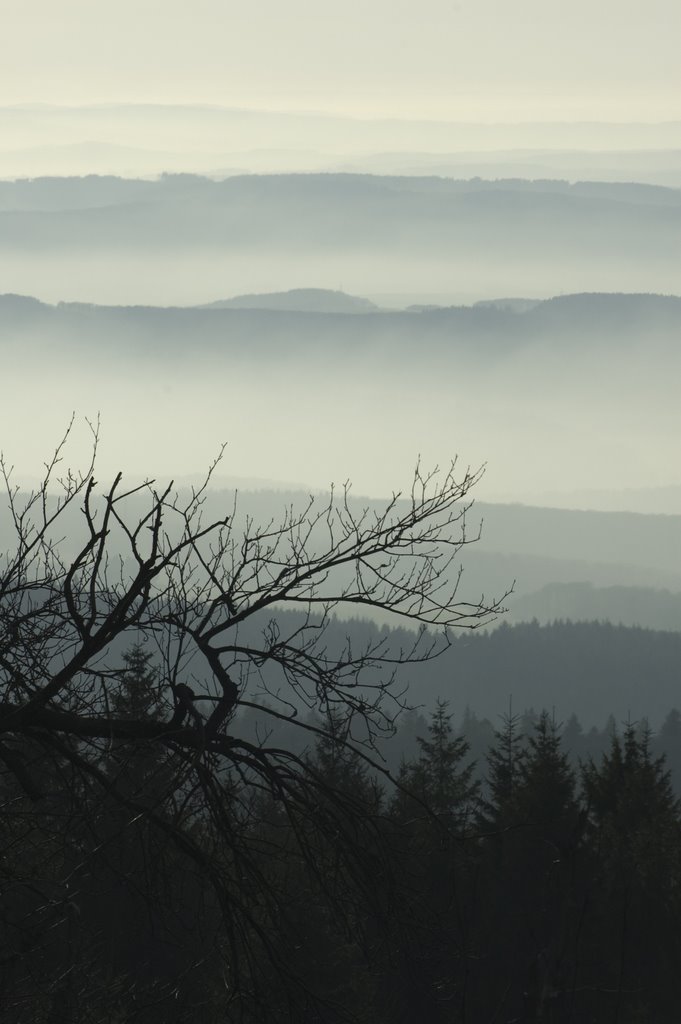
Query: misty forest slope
point(590, 669)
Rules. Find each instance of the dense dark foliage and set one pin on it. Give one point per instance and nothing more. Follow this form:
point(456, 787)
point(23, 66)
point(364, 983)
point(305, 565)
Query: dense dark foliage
point(519, 889)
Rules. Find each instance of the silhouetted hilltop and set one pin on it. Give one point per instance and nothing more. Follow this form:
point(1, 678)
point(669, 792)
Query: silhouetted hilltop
point(299, 300)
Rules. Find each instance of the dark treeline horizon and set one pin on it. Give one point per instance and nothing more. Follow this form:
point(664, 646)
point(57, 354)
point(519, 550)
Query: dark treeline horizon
point(538, 888)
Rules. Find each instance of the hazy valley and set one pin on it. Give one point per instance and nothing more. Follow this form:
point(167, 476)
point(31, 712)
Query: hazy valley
point(269, 752)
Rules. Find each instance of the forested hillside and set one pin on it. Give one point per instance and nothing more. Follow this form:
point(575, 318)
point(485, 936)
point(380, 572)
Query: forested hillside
point(590, 669)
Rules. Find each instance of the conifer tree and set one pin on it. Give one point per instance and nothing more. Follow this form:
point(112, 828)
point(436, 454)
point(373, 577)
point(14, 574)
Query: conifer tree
point(529, 914)
point(546, 790)
point(338, 764)
point(435, 860)
point(440, 780)
point(631, 802)
point(668, 743)
point(138, 770)
point(138, 691)
point(504, 761)
point(635, 835)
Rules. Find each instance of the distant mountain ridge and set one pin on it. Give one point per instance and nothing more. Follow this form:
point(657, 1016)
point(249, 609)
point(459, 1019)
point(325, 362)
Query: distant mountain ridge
point(69, 193)
point(469, 238)
point(114, 138)
point(593, 303)
point(329, 314)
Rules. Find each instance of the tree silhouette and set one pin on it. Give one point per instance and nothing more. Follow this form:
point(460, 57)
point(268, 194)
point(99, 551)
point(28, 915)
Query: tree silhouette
point(441, 782)
point(635, 833)
point(433, 809)
point(92, 572)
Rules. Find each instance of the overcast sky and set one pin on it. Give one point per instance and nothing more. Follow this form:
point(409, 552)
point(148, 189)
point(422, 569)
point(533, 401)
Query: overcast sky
point(488, 59)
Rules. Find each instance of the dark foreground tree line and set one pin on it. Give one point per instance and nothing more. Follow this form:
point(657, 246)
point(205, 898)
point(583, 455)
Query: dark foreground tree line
point(545, 894)
point(158, 865)
point(556, 891)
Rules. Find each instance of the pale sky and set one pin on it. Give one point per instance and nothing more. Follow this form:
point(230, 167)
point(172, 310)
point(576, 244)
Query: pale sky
point(487, 59)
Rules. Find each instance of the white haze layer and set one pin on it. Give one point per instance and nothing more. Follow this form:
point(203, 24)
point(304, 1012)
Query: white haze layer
point(541, 421)
point(488, 59)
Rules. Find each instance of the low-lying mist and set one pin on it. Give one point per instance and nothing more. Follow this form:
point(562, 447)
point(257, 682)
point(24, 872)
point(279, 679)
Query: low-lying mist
point(196, 277)
point(314, 398)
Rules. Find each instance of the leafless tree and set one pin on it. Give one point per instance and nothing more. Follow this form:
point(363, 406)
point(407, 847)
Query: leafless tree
point(90, 573)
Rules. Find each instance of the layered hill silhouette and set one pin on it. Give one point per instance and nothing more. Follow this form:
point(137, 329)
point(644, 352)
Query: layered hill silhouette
point(374, 233)
point(327, 209)
point(317, 320)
